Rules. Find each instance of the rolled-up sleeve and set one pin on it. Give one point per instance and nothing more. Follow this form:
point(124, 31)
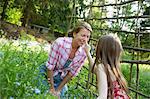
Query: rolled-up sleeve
point(53, 56)
point(77, 66)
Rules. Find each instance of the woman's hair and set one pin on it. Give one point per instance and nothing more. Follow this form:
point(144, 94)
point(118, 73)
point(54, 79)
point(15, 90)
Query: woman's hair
point(108, 52)
point(78, 27)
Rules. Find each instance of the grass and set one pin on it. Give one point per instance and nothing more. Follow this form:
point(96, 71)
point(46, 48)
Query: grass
point(18, 70)
point(19, 62)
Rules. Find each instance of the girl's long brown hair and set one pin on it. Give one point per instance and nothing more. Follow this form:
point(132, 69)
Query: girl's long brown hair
point(108, 53)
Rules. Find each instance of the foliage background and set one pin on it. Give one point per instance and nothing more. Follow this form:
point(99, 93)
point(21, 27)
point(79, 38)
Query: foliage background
point(19, 60)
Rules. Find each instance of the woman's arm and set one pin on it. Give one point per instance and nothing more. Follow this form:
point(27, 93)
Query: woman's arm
point(51, 63)
point(50, 80)
point(66, 79)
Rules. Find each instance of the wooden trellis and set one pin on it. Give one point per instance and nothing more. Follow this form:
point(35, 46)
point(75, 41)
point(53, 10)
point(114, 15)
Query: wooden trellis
point(137, 33)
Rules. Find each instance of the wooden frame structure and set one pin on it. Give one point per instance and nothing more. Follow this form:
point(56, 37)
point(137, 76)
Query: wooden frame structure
point(137, 34)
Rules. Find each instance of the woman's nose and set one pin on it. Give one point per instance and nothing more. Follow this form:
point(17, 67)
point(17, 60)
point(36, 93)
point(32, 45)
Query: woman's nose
point(86, 39)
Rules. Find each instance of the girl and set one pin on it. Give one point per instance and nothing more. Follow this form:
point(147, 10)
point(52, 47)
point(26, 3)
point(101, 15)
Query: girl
point(110, 81)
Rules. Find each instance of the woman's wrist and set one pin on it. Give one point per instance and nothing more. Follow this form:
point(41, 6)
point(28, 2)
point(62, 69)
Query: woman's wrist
point(48, 79)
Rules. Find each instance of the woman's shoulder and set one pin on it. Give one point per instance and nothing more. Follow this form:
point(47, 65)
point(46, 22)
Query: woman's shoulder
point(63, 39)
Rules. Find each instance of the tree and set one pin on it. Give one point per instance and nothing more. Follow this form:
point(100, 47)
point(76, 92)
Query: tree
point(3, 15)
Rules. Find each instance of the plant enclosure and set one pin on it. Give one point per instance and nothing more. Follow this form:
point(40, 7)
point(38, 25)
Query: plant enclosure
point(127, 18)
point(29, 21)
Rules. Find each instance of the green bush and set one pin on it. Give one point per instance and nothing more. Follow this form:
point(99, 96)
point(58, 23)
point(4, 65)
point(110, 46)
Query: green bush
point(14, 15)
point(19, 62)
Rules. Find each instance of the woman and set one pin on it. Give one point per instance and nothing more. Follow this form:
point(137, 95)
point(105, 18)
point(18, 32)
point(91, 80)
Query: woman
point(110, 81)
point(66, 57)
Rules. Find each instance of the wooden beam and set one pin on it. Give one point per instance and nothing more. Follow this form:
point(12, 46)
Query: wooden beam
point(136, 61)
point(115, 30)
point(114, 18)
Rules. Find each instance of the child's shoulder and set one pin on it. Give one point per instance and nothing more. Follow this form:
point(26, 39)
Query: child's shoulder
point(99, 67)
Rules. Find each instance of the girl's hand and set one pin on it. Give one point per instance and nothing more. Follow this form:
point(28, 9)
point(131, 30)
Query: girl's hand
point(87, 47)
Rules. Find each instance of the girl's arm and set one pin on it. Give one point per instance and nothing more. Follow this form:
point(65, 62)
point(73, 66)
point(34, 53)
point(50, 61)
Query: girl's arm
point(90, 59)
point(102, 82)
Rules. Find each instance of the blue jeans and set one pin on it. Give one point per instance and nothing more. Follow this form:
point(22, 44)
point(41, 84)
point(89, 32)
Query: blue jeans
point(57, 80)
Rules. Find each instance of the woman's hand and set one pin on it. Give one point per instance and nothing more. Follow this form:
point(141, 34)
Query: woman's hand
point(54, 92)
point(57, 93)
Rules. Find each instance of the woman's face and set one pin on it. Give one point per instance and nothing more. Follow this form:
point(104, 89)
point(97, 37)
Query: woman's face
point(82, 36)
